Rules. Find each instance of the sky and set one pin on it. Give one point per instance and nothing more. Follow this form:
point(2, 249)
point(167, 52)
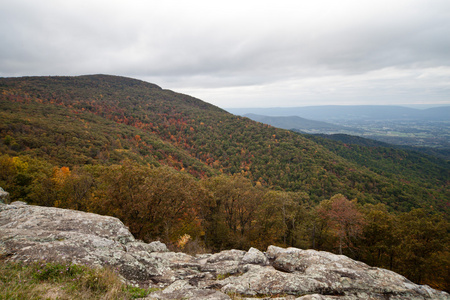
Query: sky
point(241, 53)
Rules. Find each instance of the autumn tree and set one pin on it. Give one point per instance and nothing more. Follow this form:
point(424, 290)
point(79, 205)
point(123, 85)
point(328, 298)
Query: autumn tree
point(232, 210)
point(344, 218)
point(155, 202)
point(280, 217)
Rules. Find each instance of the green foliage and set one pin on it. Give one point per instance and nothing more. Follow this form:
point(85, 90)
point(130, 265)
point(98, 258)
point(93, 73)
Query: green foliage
point(56, 271)
point(412, 175)
point(423, 236)
point(136, 292)
point(63, 137)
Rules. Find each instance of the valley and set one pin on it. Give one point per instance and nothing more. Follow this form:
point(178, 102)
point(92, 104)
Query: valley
point(420, 131)
point(408, 133)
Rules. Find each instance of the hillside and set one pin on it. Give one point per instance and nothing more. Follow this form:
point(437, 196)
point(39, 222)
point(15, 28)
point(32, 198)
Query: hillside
point(64, 136)
point(197, 130)
point(192, 131)
point(442, 154)
point(385, 159)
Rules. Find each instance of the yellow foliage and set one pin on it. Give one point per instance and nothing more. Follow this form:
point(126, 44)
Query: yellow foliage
point(182, 241)
point(60, 175)
point(19, 164)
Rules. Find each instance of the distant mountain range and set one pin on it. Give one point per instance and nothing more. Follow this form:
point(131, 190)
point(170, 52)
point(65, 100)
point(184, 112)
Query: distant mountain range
point(302, 124)
point(330, 113)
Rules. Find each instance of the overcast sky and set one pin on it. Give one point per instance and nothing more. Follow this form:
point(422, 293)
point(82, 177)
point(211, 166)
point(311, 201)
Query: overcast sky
point(241, 53)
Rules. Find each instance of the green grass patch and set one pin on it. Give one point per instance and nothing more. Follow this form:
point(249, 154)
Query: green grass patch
point(60, 280)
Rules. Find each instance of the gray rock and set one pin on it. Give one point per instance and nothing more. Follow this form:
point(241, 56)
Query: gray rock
point(298, 272)
point(225, 263)
point(233, 255)
point(321, 297)
point(181, 289)
point(157, 246)
point(254, 256)
point(226, 267)
point(266, 280)
point(31, 233)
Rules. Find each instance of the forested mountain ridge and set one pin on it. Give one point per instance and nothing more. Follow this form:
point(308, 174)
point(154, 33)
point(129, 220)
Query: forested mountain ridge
point(202, 132)
point(175, 168)
point(384, 158)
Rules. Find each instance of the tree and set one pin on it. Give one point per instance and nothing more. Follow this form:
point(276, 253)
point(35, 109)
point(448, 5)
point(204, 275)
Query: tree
point(344, 218)
point(280, 215)
point(155, 202)
point(423, 249)
point(232, 210)
point(380, 240)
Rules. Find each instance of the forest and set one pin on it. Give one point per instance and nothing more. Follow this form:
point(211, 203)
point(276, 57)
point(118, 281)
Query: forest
point(177, 169)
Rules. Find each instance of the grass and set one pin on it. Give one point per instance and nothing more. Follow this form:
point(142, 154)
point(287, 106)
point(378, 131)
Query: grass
point(59, 280)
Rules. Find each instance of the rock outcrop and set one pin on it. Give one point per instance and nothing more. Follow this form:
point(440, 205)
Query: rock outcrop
point(29, 233)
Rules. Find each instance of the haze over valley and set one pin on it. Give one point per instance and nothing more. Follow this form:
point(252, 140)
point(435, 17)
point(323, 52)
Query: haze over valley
point(425, 130)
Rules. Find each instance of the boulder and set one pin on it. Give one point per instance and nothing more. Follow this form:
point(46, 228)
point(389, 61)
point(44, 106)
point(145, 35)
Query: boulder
point(32, 233)
point(254, 256)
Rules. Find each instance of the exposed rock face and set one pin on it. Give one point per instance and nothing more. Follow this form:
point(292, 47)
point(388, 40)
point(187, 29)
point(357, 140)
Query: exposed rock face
point(29, 233)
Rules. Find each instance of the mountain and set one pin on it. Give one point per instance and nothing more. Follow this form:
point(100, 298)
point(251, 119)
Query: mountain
point(103, 119)
point(352, 112)
point(301, 124)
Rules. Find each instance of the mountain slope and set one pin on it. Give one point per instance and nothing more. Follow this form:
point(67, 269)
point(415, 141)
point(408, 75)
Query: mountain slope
point(385, 159)
point(64, 136)
point(198, 131)
point(442, 154)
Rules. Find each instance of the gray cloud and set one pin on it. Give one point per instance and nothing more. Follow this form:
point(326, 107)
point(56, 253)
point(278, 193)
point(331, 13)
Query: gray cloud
point(246, 53)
